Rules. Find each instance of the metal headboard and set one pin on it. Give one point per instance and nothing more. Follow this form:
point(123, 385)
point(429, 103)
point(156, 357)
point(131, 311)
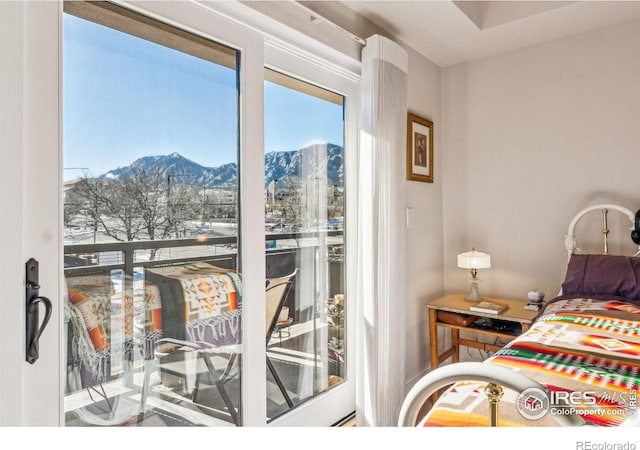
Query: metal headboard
point(570, 242)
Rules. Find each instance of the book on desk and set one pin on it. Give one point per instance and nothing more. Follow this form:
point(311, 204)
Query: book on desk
point(489, 307)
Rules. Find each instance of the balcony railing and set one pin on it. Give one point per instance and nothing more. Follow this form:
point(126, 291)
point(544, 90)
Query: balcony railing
point(80, 259)
point(284, 252)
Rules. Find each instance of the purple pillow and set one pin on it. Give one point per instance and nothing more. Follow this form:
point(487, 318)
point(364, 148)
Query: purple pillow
point(603, 275)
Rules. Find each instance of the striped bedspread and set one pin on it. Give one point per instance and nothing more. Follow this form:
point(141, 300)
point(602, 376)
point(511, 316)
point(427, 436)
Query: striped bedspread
point(585, 350)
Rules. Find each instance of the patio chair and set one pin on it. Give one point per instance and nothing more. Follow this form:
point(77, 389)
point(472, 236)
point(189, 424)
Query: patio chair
point(213, 365)
point(201, 318)
point(217, 365)
point(277, 293)
point(90, 316)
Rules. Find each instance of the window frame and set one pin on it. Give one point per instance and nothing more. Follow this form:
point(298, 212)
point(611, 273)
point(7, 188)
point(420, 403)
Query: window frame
point(284, 59)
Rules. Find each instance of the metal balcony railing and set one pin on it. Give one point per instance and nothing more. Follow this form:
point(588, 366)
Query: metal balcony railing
point(284, 252)
point(82, 259)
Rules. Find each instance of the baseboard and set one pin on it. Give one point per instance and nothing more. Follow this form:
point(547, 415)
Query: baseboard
point(347, 421)
point(413, 380)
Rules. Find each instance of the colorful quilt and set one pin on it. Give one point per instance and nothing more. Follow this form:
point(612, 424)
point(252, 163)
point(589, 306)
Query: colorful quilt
point(586, 351)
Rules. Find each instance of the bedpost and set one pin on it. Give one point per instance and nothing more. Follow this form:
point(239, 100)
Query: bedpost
point(605, 231)
point(494, 393)
point(569, 244)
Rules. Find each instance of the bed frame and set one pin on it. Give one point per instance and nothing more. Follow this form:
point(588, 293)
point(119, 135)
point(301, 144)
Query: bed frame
point(570, 242)
point(496, 376)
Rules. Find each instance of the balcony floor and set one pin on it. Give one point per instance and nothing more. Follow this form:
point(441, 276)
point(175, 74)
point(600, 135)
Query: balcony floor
point(171, 406)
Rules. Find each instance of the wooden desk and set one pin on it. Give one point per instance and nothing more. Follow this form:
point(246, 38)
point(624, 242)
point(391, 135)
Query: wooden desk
point(456, 303)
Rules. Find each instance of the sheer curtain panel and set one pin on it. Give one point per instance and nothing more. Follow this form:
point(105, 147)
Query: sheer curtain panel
point(382, 233)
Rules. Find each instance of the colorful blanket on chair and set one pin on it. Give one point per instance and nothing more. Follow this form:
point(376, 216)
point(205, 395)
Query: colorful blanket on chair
point(200, 302)
point(108, 313)
point(116, 319)
point(585, 350)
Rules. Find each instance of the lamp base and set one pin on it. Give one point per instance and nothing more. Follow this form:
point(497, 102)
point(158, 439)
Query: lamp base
point(474, 295)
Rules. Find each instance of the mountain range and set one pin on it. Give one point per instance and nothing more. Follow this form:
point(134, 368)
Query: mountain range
point(313, 161)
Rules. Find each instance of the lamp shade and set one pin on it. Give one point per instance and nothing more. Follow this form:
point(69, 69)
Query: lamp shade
point(474, 260)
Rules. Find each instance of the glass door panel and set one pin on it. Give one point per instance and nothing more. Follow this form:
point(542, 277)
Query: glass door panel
point(152, 271)
point(304, 219)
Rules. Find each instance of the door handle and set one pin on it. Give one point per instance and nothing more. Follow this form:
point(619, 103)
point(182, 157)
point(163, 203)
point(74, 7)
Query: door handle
point(34, 328)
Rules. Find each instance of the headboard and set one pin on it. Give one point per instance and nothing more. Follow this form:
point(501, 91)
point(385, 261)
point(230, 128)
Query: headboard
point(570, 242)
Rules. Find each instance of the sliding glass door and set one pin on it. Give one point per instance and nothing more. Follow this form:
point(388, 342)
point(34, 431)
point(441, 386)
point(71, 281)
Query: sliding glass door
point(310, 161)
point(151, 262)
point(304, 218)
point(172, 214)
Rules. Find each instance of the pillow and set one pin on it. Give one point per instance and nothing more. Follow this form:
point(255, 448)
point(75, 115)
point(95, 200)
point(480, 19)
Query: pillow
point(603, 275)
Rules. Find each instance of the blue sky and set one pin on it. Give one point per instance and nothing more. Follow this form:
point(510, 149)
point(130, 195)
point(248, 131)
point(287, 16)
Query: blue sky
point(125, 98)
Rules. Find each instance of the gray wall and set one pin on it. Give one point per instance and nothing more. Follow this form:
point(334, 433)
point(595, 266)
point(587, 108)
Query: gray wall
point(530, 138)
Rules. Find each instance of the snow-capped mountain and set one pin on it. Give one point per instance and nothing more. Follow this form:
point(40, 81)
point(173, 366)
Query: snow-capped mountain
point(314, 161)
point(184, 171)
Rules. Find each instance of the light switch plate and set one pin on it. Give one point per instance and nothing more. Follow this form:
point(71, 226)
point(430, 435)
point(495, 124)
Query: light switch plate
point(409, 217)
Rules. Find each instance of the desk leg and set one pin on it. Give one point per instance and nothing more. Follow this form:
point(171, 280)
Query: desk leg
point(433, 345)
point(433, 338)
point(455, 334)
point(525, 327)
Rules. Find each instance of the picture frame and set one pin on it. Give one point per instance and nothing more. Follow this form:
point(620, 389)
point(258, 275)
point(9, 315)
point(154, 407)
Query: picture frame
point(419, 149)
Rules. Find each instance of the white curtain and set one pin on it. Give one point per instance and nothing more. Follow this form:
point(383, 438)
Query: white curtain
point(382, 233)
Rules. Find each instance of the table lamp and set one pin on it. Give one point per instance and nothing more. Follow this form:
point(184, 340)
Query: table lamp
point(474, 260)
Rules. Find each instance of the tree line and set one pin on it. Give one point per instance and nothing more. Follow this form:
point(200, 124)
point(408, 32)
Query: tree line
point(145, 204)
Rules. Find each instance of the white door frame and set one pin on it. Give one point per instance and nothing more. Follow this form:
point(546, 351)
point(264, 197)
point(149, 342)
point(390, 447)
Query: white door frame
point(11, 272)
point(30, 146)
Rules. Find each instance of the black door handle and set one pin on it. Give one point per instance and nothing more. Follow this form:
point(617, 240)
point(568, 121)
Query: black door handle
point(34, 328)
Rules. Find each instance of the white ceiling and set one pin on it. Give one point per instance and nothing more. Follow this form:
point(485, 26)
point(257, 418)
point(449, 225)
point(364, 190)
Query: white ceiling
point(450, 32)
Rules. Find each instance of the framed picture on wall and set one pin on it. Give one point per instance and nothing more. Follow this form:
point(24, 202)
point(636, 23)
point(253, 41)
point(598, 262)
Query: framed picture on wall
point(419, 149)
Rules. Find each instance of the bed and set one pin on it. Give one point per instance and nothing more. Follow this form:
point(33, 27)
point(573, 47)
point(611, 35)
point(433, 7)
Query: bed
point(578, 364)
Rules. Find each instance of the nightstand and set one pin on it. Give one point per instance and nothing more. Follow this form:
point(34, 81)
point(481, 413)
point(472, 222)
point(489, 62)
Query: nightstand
point(456, 303)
